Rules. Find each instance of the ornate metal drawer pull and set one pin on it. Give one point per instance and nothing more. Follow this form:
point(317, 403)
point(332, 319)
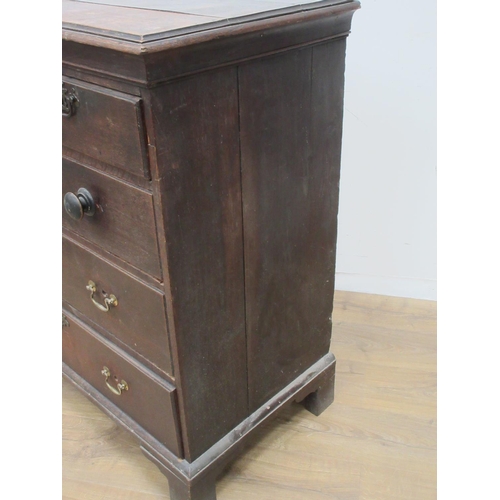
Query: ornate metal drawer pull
point(110, 300)
point(120, 386)
point(69, 102)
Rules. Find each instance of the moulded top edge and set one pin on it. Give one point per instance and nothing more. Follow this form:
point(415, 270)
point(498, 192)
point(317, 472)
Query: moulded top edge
point(145, 21)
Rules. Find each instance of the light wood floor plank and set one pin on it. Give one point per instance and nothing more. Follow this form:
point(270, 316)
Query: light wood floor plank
point(376, 442)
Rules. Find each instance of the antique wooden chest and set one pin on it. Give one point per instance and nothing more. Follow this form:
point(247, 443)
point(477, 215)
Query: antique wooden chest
point(201, 163)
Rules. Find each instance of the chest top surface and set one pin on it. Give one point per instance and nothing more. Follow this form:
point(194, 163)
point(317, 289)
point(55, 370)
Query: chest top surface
point(153, 20)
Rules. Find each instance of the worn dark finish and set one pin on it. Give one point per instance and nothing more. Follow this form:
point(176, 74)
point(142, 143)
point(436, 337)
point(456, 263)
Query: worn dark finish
point(319, 400)
point(208, 265)
point(95, 248)
point(150, 401)
point(267, 37)
point(170, 58)
point(197, 150)
point(201, 490)
point(106, 168)
point(228, 11)
point(108, 126)
point(143, 330)
point(149, 21)
point(290, 162)
point(211, 464)
point(123, 222)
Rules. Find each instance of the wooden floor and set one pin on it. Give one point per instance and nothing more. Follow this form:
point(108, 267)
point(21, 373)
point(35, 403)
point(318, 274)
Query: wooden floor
point(376, 442)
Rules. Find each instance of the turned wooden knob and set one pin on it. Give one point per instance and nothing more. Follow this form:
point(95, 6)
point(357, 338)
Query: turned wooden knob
point(76, 205)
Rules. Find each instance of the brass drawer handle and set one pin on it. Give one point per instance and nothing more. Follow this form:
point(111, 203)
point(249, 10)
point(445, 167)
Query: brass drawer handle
point(111, 300)
point(120, 386)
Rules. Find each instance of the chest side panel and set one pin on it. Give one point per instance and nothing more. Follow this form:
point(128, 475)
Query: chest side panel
point(195, 125)
point(291, 117)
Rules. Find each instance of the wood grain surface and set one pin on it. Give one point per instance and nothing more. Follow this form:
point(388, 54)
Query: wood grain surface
point(141, 20)
point(376, 442)
point(150, 60)
point(139, 320)
point(197, 151)
point(124, 222)
point(108, 126)
point(291, 123)
point(88, 354)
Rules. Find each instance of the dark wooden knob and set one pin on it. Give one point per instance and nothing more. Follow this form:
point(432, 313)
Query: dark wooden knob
point(76, 205)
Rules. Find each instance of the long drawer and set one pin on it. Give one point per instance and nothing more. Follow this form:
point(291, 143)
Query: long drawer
point(147, 399)
point(137, 317)
point(123, 222)
point(106, 125)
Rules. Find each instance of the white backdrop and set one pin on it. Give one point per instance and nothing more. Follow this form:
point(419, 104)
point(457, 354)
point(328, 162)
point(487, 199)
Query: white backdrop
point(387, 215)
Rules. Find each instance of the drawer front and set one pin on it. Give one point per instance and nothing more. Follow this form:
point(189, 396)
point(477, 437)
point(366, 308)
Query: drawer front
point(147, 400)
point(138, 320)
point(106, 125)
point(123, 222)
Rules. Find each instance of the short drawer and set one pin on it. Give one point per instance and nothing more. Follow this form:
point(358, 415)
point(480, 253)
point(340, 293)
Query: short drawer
point(106, 125)
point(148, 400)
point(138, 319)
point(123, 222)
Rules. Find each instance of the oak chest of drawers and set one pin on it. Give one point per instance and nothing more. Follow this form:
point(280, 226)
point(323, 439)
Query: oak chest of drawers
point(201, 163)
